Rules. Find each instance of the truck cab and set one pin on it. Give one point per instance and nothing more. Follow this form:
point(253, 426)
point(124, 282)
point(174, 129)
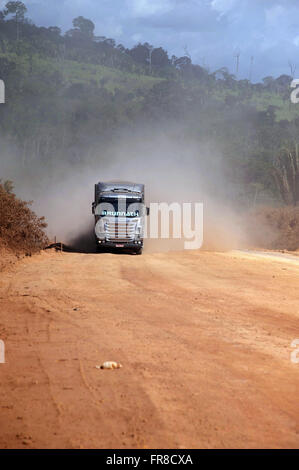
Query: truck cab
point(119, 211)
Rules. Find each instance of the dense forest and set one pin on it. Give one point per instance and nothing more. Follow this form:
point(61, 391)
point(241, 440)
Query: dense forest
point(68, 94)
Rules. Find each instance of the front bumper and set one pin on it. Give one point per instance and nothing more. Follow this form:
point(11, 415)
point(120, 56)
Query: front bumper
point(120, 245)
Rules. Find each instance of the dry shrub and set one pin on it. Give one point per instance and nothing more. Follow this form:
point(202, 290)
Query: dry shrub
point(275, 228)
point(20, 229)
point(7, 256)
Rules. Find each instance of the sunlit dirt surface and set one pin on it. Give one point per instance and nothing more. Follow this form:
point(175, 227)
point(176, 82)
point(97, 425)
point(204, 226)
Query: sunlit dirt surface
point(204, 340)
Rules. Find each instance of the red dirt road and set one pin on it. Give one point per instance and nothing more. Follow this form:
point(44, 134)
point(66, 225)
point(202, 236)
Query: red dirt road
point(204, 339)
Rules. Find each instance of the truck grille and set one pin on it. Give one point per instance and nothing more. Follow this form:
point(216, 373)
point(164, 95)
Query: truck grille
point(121, 231)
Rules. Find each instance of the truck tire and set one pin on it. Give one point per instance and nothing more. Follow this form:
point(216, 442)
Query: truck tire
point(138, 251)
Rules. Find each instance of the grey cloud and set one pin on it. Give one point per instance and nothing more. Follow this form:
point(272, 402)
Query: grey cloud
point(210, 28)
point(186, 20)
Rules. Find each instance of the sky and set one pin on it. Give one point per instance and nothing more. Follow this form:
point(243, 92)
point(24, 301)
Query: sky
point(264, 33)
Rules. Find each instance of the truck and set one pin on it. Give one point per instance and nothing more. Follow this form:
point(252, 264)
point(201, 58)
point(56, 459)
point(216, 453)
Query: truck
point(119, 211)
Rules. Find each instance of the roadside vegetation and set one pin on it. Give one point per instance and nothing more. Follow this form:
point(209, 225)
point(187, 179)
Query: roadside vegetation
point(21, 231)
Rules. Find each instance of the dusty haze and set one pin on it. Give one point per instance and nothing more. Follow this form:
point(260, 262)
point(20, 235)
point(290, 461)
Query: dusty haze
point(171, 169)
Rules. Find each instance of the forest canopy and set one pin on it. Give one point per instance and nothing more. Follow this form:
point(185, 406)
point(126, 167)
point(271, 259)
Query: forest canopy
point(69, 92)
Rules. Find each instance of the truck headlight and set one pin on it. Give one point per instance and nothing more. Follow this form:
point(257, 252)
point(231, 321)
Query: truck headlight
point(100, 228)
point(138, 229)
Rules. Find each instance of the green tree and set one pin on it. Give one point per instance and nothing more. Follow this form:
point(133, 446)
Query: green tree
point(140, 53)
point(160, 57)
point(85, 26)
point(286, 175)
point(18, 9)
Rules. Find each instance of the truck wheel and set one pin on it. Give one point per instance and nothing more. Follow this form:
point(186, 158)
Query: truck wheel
point(138, 251)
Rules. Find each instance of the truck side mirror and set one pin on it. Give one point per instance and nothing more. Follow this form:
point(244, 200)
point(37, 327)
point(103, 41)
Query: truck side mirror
point(92, 207)
point(147, 211)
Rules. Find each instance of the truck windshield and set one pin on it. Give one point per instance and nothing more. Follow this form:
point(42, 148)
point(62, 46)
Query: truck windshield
point(120, 207)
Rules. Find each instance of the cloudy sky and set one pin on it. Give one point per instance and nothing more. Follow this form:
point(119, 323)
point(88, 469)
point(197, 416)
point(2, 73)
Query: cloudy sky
point(212, 31)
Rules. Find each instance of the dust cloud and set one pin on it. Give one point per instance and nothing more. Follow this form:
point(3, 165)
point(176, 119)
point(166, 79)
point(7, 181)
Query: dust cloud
point(172, 170)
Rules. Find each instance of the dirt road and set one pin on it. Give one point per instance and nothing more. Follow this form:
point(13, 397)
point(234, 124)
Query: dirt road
point(204, 339)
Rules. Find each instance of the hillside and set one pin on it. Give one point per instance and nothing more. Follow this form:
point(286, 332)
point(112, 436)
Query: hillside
point(69, 72)
point(71, 97)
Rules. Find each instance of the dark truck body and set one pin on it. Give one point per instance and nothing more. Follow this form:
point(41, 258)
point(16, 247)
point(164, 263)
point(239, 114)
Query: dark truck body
point(119, 212)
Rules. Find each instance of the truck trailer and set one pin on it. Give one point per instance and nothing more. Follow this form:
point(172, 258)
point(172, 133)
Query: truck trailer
point(119, 210)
